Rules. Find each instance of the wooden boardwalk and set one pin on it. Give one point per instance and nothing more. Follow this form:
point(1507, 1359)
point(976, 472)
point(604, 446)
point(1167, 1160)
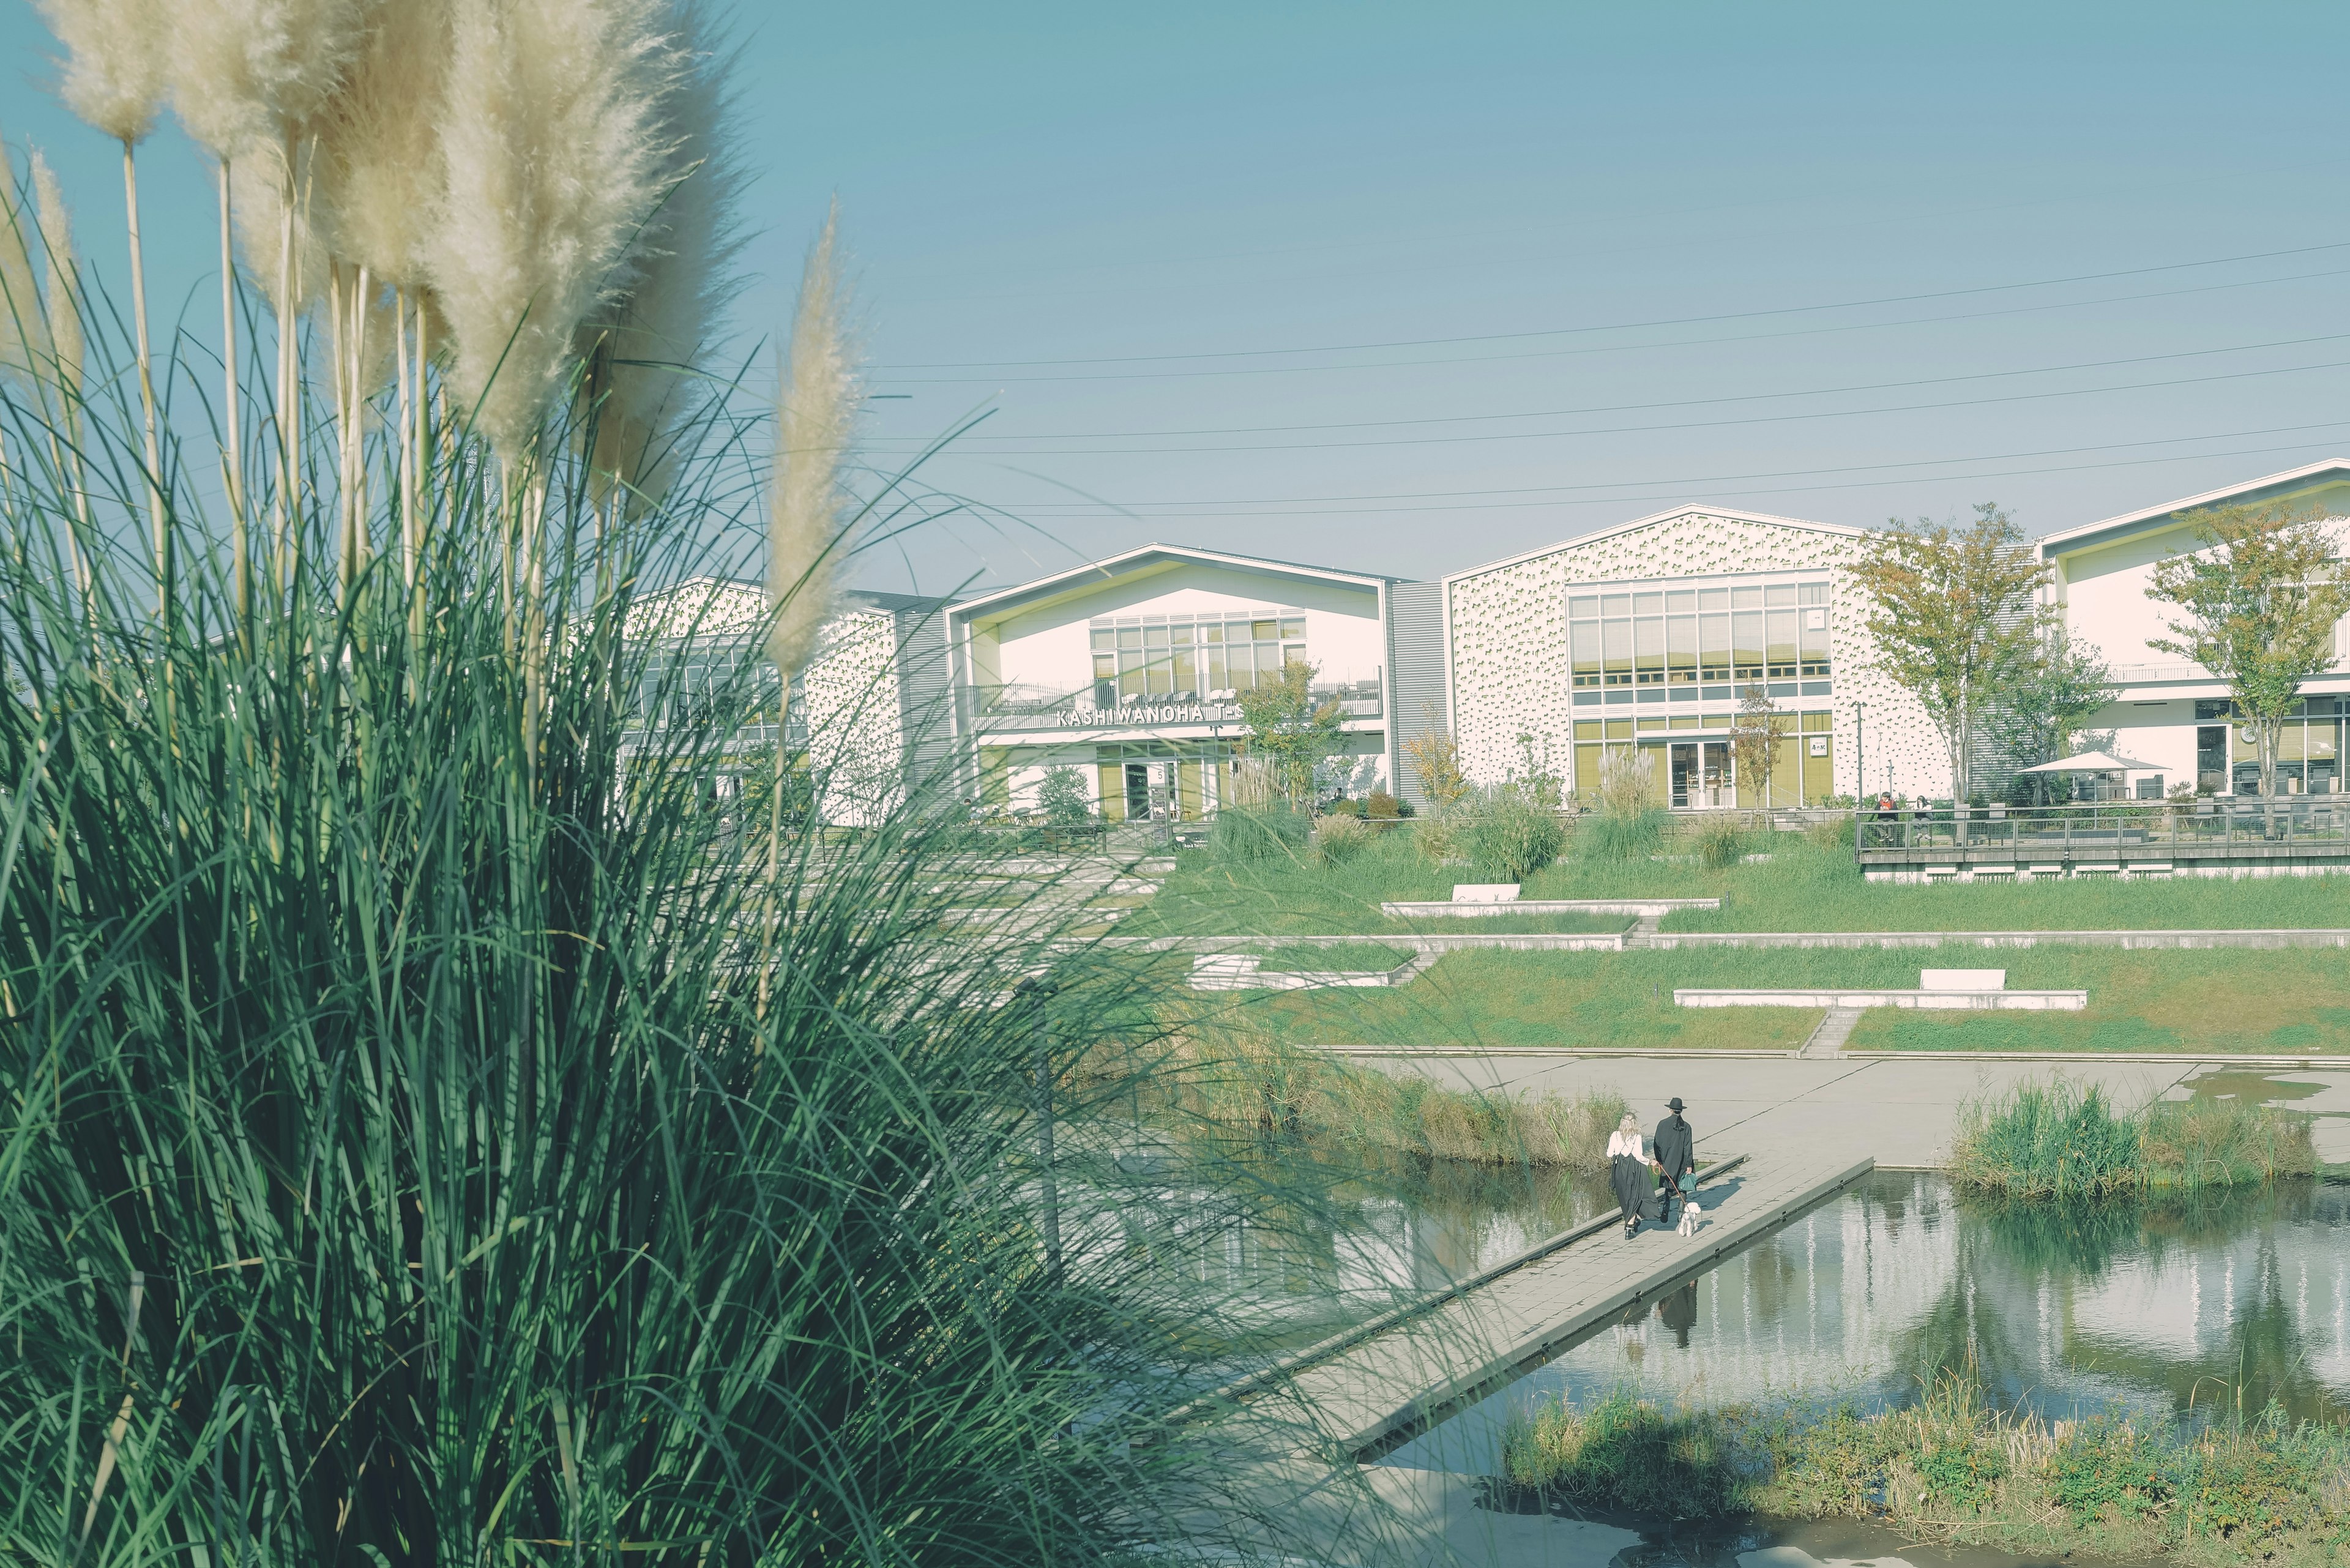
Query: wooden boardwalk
point(1393, 1383)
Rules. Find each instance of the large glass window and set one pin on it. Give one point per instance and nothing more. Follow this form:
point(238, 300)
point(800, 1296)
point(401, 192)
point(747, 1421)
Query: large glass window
point(1186, 656)
point(1647, 639)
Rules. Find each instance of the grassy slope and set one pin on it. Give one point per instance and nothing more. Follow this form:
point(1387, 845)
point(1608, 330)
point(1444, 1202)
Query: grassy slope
point(1206, 896)
point(1805, 889)
point(1800, 887)
point(2290, 1001)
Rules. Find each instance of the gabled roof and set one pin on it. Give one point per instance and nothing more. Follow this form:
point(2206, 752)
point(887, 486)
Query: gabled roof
point(712, 607)
point(1144, 560)
point(2274, 487)
point(1650, 520)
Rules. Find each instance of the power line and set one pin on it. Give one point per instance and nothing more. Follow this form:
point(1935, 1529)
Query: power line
point(1685, 495)
point(1677, 425)
point(1677, 403)
point(1617, 327)
point(1725, 478)
point(1620, 347)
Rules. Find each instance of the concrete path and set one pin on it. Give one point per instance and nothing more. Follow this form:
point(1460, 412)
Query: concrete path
point(1899, 1111)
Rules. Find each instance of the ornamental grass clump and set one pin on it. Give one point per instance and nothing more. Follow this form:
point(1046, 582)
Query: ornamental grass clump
point(1511, 836)
point(2060, 1140)
point(431, 1128)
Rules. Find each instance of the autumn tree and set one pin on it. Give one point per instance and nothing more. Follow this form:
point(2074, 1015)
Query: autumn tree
point(1292, 732)
point(1435, 759)
point(2259, 598)
point(1754, 734)
point(1954, 615)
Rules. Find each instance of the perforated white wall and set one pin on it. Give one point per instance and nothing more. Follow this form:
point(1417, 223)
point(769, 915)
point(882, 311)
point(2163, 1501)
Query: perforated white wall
point(1508, 647)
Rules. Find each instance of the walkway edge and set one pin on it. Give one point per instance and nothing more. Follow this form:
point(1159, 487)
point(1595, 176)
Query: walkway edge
point(1413, 1414)
point(1297, 1361)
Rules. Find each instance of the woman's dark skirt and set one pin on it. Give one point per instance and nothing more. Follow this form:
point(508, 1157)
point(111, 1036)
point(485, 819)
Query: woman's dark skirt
point(1633, 1183)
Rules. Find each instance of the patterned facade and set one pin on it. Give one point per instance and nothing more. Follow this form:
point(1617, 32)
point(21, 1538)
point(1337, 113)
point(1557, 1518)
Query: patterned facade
point(1511, 680)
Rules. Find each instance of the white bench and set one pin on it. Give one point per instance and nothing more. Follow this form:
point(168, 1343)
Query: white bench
point(1962, 980)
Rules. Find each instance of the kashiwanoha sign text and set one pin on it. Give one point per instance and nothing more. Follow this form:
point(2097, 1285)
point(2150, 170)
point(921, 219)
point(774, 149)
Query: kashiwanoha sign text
point(1140, 713)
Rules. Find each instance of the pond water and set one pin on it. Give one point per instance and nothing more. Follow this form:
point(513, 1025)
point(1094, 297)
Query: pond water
point(2180, 1308)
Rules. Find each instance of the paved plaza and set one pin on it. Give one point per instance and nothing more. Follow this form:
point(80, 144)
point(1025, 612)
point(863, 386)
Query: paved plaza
point(1900, 1111)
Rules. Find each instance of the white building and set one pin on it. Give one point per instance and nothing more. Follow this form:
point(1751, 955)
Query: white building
point(2171, 712)
point(1646, 635)
point(1127, 669)
point(866, 717)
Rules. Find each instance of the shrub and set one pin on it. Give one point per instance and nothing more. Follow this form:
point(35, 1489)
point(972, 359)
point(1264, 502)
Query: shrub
point(1338, 839)
point(1381, 804)
point(1612, 835)
point(1437, 838)
point(1343, 808)
point(1721, 840)
point(1249, 834)
point(1063, 798)
point(1833, 834)
point(2106, 1467)
point(1512, 837)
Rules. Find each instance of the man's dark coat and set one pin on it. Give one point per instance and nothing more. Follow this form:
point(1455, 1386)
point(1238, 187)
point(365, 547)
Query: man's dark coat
point(1675, 1147)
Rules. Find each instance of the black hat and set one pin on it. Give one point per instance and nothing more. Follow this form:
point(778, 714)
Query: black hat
point(1675, 1105)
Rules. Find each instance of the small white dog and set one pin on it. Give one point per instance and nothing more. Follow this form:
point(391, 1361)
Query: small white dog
point(1690, 1212)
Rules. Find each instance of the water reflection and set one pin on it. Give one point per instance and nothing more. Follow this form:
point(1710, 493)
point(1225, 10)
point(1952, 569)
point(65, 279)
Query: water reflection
point(2181, 1308)
point(1316, 1249)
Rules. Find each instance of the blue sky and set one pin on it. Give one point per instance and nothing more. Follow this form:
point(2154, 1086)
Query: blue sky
point(1409, 288)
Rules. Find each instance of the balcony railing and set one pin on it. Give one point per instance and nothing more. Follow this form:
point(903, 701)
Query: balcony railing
point(2118, 831)
point(1099, 706)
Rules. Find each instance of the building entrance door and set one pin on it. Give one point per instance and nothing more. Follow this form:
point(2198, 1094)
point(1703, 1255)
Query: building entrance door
point(1138, 792)
point(1700, 774)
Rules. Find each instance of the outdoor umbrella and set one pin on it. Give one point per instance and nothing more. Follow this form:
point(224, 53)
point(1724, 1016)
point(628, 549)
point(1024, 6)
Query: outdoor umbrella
point(2095, 763)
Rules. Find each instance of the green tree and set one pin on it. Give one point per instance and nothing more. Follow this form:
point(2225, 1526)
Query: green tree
point(1754, 734)
point(2260, 598)
point(1291, 730)
point(1954, 616)
point(2042, 707)
point(1063, 796)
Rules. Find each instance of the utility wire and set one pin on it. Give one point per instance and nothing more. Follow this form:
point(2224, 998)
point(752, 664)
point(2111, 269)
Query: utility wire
point(1615, 327)
point(1677, 403)
point(1676, 425)
point(1728, 494)
point(1912, 463)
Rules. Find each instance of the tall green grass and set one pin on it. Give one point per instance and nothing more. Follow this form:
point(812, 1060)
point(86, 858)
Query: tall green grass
point(432, 1130)
point(2061, 1140)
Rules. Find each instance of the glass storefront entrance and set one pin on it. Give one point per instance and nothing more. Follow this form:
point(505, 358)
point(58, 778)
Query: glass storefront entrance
point(1700, 773)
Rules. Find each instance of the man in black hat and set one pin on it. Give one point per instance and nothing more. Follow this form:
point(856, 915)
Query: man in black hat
point(1674, 1153)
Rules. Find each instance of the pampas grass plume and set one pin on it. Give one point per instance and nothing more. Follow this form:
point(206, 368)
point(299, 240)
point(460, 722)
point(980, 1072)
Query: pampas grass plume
point(379, 142)
point(676, 274)
point(23, 337)
point(823, 393)
point(115, 53)
point(65, 276)
point(552, 155)
point(246, 72)
point(260, 209)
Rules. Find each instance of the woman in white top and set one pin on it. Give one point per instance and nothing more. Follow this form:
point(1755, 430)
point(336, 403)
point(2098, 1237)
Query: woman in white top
point(1628, 1171)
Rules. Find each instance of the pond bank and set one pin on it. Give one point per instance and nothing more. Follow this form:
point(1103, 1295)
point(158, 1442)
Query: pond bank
point(1901, 1111)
